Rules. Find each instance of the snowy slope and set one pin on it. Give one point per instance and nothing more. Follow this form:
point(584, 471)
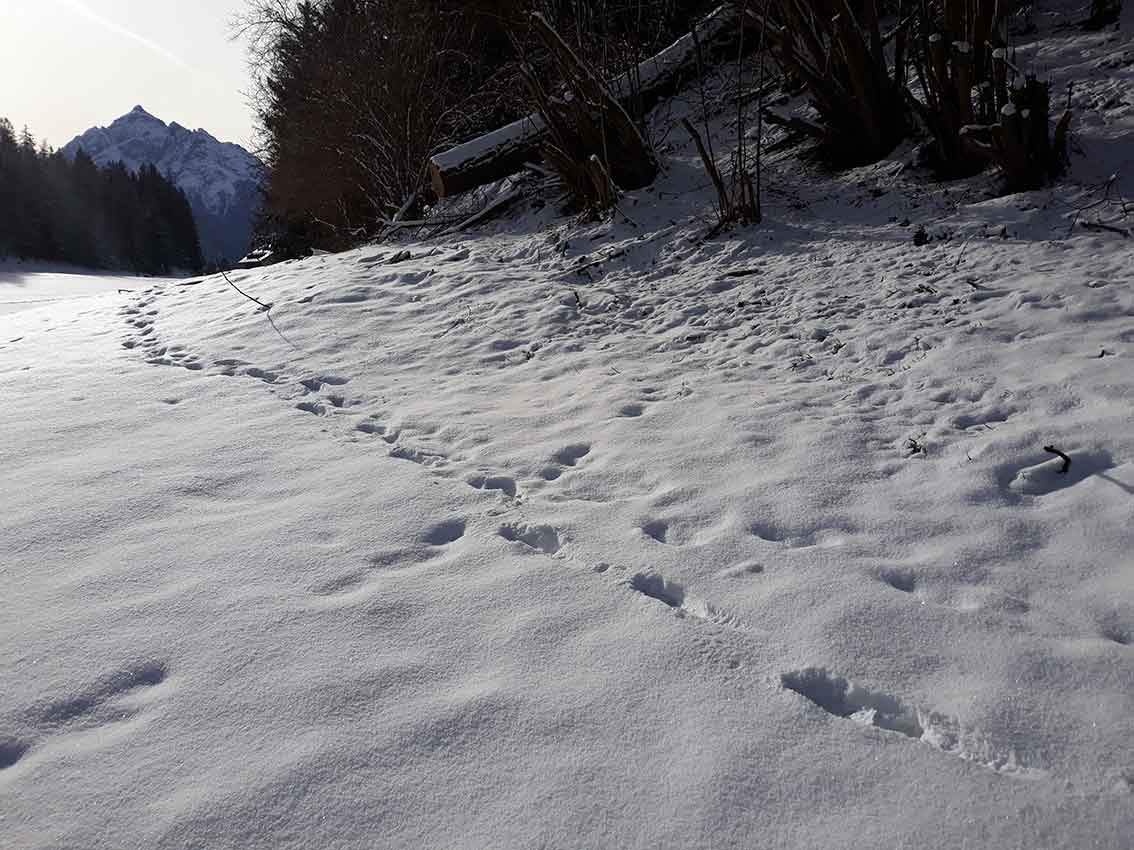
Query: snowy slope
point(28, 285)
point(747, 542)
point(221, 179)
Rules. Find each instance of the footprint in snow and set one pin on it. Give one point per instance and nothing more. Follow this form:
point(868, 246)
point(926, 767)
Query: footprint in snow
point(11, 751)
point(541, 538)
point(674, 595)
point(377, 429)
point(566, 457)
point(444, 533)
point(572, 454)
point(503, 483)
point(631, 411)
point(900, 579)
point(263, 374)
point(844, 699)
point(113, 699)
point(801, 538)
point(656, 529)
point(423, 457)
point(313, 385)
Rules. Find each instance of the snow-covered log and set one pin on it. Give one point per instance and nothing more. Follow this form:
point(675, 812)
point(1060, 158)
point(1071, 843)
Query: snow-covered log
point(488, 157)
point(504, 151)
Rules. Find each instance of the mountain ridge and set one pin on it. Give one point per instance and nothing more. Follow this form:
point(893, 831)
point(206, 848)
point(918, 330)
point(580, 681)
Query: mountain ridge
point(221, 179)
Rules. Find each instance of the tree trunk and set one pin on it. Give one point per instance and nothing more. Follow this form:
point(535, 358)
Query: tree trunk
point(504, 151)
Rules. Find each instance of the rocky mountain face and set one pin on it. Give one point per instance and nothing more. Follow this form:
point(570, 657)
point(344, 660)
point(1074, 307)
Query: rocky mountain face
point(221, 180)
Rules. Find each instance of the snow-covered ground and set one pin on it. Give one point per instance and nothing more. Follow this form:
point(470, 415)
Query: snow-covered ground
point(746, 542)
point(27, 285)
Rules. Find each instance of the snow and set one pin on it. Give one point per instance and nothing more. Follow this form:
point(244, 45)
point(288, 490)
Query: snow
point(518, 133)
point(730, 543)
point(27, 285)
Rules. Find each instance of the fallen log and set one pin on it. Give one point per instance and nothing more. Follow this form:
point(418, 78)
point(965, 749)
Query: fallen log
point(492, 156)
point(505, 151)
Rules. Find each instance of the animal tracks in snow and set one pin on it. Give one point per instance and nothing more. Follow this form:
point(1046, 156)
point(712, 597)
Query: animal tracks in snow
point(844, 699)
point(899, 579)
point(11, 751)
point(313, 385)
point(116, 698)
point(423, 457)
point(384, 562)
point(142, 335)
point(566, 458)
point(799, 538)
point(97, 704)
point(502, 483)
point(656, 529)
point(312, 407)
point(572, 454)
point(541, 538)
point(444, 533)
point(674, 595)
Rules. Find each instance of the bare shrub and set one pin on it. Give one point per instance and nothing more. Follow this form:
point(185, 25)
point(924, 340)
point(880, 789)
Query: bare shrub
point(1022, 142)
point(977, 106)
point(595, 146)
point(836, 48)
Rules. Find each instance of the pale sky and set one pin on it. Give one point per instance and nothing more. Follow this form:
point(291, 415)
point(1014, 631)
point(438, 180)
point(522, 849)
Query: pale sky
point(67, 65)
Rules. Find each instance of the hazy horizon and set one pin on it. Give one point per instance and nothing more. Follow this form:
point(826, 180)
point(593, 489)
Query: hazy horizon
point(69, 65)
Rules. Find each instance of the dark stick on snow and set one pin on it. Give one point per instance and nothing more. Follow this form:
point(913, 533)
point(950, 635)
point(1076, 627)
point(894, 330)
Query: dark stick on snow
point(272, 322)
point(1066, 460)
point(264, 306)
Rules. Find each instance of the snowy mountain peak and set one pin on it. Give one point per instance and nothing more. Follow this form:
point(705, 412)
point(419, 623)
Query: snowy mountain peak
point(222, 180)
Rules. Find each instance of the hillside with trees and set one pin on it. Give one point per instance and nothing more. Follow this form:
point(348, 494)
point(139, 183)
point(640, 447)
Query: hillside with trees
point(371, 110)
point(354, 96)
point(72, 211)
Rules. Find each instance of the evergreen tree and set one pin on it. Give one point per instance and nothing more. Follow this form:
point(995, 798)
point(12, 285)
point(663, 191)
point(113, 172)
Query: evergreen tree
point(52, 208)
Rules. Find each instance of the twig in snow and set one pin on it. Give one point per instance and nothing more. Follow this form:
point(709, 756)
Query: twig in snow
point(964, 247)
point(405, 208)
point(497, 206)
point(620, 251)
point(272, 322)
point(1104, 200)
point(1066, 459)
point(263, 306)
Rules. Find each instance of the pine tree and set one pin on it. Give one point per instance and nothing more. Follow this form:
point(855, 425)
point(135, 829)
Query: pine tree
point(53, 208)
